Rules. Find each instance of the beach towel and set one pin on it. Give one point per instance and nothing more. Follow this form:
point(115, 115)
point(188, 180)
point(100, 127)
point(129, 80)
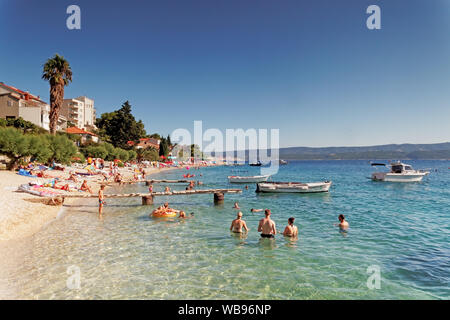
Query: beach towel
point(23, 172)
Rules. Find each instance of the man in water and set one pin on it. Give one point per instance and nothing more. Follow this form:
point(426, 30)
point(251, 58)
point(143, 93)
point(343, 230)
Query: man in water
point(238, 224)
point(343, 224)
point(267, 226)
point(256, 210)
point(291, 230)
point(236, 206)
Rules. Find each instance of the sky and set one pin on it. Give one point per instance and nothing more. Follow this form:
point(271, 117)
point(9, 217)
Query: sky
point(311, 69)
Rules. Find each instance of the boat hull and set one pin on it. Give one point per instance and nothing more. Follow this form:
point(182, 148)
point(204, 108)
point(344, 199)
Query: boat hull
point(254, 179)
point(314, 187)
point(398, 177)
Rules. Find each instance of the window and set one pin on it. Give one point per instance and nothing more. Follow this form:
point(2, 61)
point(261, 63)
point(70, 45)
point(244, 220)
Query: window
point(10, 117)
point(10, 103)
point(397, 169)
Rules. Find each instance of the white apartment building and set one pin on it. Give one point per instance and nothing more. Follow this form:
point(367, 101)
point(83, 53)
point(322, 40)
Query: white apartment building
point(80, 111)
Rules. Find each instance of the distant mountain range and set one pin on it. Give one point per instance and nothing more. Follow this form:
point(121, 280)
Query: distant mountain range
point(388, 151)
point(436, 151)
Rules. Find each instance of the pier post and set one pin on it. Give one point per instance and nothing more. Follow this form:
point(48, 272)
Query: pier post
point(218, 198)
point(147, 200)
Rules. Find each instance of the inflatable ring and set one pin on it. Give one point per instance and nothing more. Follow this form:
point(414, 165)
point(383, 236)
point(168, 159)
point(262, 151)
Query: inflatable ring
point(164, 213)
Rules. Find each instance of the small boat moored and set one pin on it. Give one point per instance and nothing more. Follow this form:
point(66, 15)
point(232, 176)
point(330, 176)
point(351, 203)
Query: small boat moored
point(248, 179)
point(293, 187)
point(257, 164)
point(399, 172)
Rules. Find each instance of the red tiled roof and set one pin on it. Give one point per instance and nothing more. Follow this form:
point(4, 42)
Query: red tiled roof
point(76, 130)
point(22, 92)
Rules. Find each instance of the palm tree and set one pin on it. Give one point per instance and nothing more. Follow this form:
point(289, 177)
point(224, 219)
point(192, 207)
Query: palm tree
point(58, 73)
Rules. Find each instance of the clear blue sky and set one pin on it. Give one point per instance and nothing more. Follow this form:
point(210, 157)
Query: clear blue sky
point(310, 68)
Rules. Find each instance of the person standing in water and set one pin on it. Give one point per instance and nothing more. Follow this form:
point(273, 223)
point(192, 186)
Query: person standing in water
point(343, 224)
point(101, 199)
point(238, 224)
point(267, 226)
point(291, 230)
point(236, 206)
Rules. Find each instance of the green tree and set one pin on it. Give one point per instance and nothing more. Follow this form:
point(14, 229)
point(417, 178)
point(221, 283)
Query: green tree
point(17, 146)
point(149, 154)
point(95, 151)
point(132, 155)
point(120, 126)
point(62, 149)
point(163, 147)
point(58, 73)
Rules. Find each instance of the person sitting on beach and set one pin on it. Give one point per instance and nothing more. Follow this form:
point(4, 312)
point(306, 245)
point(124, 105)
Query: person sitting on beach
point(291, 230)
point(73, 177)
point(256, 210)
point(236, 206)
point(118, 178)
point(343, 224)
point(101, 199)
point(238, 224)
point(105, 176)
point(85, 187)
point(267, 226)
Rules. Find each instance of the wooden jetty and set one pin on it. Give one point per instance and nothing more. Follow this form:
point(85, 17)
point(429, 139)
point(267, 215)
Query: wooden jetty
point(152, 181)
point(147, 198)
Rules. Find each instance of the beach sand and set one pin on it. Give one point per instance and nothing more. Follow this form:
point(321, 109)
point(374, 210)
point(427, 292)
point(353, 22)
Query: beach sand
point(21, 214)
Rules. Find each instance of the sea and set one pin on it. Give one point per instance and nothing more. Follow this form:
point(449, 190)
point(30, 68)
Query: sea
point(397, 246)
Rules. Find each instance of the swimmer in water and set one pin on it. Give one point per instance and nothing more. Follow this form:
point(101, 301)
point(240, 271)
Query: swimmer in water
point(343, 224)
point(238, 224)
point(182, 215)
point(236, 206)
point(267, 226)
point(256, 210)
point(291, 230)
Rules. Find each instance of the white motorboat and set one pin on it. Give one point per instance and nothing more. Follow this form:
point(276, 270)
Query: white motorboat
point(248, 179)
point(293, 187)
point(399, 172)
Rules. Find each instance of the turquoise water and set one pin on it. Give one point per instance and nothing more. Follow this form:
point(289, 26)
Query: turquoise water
point(403, 229)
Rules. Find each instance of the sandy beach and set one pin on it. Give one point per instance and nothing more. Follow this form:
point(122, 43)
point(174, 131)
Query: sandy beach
point(23, 214)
